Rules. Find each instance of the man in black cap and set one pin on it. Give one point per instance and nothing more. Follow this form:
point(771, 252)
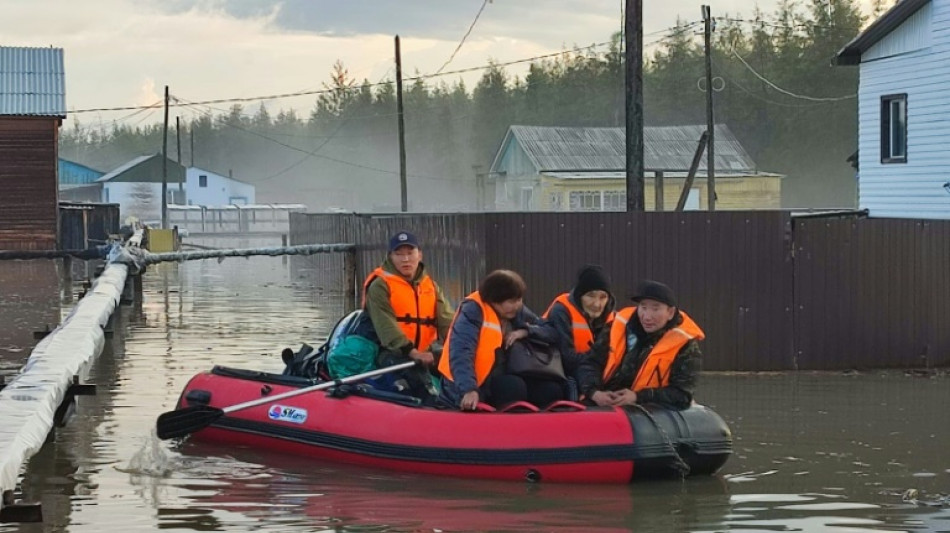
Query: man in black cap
point(404, 310)
point(651, 355)
point(579, 316)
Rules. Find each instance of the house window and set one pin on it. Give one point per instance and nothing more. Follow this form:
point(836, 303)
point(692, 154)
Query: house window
point(615, 201)
point(526, 194)
point(203, 180)
point(585, 201)
point(556, 201)
point(894, 128)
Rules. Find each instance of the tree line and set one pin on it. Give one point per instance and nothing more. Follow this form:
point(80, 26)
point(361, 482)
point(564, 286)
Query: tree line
point(793, 111)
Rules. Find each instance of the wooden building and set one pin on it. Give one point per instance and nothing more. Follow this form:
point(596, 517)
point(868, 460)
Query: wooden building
point(583, 169)
point(32, 108)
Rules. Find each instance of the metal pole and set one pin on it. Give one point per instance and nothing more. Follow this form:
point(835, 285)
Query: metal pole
point(633, 28)
point(192, 143)
point(165, 165)
point(710, 124)
point(349, 280)
point(402, 132)
point(181, 184)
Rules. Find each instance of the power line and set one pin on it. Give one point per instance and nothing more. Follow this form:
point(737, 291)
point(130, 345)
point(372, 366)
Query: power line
point(355, 87)
point(786, 92)
point(309, 153)
point(763, 99)
point(673, 32)
point(459, 47)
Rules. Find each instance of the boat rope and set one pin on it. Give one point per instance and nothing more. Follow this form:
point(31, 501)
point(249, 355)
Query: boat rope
point(676, 463)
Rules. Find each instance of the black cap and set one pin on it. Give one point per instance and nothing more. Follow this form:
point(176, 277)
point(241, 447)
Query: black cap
point(654, 290)
point(403, 238)
point(591, 278)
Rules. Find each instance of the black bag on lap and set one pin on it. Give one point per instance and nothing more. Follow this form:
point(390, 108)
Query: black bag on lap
point(535, 359)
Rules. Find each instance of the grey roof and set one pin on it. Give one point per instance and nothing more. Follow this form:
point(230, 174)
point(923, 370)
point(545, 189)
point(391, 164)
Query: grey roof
point(32, 82)
point(666, 148)
point(118, 171)
point(888, 22)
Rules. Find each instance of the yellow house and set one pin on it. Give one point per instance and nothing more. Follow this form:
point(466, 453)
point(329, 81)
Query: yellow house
point(582, 169)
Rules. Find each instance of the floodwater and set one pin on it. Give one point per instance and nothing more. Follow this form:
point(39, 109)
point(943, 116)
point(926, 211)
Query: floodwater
point(814, 452)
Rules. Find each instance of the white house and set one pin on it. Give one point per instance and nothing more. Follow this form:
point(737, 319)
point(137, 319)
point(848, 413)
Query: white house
point(137, 187)
point(203, 187)
point(904, 110)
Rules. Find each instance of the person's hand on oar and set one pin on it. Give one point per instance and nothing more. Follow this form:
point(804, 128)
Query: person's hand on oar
point(182, 422)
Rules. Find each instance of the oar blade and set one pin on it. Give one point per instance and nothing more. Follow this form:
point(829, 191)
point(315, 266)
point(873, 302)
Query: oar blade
point(182, 422)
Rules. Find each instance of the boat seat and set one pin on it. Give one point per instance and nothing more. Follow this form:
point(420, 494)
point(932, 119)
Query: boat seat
point(519, 407)
point(565, 405)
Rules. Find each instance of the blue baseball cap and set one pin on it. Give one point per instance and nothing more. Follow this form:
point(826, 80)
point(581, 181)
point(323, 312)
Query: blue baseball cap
point(403, 238)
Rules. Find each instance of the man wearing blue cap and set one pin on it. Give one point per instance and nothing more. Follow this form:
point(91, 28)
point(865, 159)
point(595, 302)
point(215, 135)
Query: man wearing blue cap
point(404, 310)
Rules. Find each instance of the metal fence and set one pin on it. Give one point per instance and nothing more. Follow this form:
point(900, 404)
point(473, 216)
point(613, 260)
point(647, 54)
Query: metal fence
point(772, 291)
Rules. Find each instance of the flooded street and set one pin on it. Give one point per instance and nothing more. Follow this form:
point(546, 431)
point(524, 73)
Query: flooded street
point(813, 452)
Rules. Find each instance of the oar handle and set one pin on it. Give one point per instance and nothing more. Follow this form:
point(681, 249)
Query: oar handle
point(322, 386)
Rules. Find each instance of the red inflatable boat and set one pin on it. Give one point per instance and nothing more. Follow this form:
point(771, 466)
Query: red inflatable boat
point(355, 423)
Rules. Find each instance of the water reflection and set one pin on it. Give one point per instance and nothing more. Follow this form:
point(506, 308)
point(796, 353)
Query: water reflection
point(814, 452)
point(29, 301)
point(323, 495)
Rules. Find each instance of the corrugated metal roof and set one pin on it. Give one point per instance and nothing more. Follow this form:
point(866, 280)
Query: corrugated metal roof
point(602, 175)
point(888, 22)
point(120, 170)
point(666, 148)
point(32, 82)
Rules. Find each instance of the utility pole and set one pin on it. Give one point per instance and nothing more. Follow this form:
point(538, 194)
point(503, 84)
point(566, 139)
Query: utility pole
point(192, 136)
point(181, 184)
point(402, 132)
point(165, 165)
point(633, 59)
point(710, 124)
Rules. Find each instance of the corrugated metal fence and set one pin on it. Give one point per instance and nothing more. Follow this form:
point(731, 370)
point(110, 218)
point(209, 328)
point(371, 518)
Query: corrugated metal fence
point(772, 292)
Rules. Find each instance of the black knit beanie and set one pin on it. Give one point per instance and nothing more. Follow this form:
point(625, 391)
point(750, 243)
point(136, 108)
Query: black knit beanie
point(591, 278)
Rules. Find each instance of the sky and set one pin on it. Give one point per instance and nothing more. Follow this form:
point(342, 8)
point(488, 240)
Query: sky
point(123, 52)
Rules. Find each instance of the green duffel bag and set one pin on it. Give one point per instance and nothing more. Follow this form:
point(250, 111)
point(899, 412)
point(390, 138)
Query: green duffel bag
point(352, 355)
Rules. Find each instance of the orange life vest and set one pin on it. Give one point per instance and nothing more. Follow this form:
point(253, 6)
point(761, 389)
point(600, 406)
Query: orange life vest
point(580, 329)
point(655, 370)
point(414, 306)
point(489, 339)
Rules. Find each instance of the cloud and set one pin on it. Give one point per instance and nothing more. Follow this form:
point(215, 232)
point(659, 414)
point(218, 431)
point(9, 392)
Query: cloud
point(123, 52)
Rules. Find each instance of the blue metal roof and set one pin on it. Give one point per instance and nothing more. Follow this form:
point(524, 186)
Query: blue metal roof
point(32, 82)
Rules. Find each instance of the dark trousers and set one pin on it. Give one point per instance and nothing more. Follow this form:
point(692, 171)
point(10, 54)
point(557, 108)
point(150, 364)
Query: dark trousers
point(415, 381)
point(508, 388)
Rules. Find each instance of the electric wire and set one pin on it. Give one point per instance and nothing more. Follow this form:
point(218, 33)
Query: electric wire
point(459, 47)
point(786, 92)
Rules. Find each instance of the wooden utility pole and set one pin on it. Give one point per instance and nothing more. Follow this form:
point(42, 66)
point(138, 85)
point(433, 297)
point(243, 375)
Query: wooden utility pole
point(165, 165)
point(633, 28)
point(684, 194)
point(710, 124)
point(192, 136)
point(404, 197)
point(181, 184)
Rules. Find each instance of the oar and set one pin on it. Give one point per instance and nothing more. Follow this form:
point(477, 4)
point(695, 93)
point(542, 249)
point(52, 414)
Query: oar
point(185, 421)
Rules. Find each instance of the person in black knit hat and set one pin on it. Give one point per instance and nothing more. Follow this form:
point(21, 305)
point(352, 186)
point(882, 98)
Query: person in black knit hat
point(582, 314)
